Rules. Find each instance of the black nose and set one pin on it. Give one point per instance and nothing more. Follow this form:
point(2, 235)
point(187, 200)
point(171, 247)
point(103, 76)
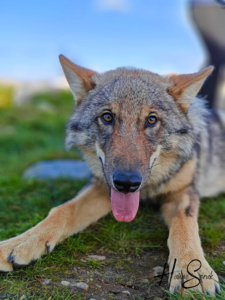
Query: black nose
point(126, 182)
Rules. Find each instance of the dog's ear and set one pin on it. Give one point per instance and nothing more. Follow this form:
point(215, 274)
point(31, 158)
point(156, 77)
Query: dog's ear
point(185, 87)
point(79, 79)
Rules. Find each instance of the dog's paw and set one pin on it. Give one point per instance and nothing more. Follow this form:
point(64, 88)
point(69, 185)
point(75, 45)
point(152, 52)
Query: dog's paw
point(195, 275)
point(24, 249)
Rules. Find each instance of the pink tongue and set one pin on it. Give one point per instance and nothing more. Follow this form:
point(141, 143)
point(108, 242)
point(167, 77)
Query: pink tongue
point(124, 206)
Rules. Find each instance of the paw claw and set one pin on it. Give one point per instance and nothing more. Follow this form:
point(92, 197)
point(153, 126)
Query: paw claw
point(176, 289)
point(47, 245)
point(217, 288)
point(11, 258)
point(25, 248)
point(198, 283)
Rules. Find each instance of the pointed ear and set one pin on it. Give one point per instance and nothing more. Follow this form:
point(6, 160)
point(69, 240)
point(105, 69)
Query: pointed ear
point(79, 79)
point(185, 87)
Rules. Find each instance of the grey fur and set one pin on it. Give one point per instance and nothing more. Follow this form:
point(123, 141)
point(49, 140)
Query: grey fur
point(180, 133)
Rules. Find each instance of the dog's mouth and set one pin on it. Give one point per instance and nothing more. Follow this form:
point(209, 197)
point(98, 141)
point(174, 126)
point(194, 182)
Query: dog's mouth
point(125, 206)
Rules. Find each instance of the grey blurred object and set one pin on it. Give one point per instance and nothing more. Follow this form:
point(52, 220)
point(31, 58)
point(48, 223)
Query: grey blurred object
point(62, 168)
point(209, 18)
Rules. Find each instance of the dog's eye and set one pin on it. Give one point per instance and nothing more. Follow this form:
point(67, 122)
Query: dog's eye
point(152, 121)
point(107, 118)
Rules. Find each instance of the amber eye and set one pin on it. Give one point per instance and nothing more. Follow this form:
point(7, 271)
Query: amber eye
point(107, 118)
point(152, 120)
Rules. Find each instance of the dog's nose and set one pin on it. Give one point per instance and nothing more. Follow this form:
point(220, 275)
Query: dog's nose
point(127, 182)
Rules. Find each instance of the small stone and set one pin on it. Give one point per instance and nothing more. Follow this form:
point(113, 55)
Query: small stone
point(114, 291)
point(224, 262)
point(46, 281)
point(81, 285)
point(145, 281)
point(126, 292)
point(83, 260)
point(75, 269)
point(97, 273)
point(65, 283)
point(66, 168)
point(92, 299)
point(99, 286)
point(157, 270)
point(97, 257)
point(23, 297)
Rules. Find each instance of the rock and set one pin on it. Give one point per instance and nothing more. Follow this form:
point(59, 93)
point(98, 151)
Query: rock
point(126, 292)
point(97, 257)
point(109, 277)
point(65, 283)
point(115, 291)
point(46, 281)
point(224, 262)
point(97, 273)
point(92, 299)
point(145, 281)
point(61, 168)
point(157, 270)
point(81, 285)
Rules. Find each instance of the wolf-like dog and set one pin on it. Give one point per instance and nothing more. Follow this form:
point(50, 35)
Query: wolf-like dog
point(145, 136)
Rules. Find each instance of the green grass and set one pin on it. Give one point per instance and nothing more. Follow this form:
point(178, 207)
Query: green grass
point(36, 131)
point(32, 132)
point(196, 296)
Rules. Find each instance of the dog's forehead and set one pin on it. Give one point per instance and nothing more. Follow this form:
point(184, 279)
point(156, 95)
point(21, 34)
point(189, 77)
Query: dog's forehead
point(128, 113)
point(139, 86)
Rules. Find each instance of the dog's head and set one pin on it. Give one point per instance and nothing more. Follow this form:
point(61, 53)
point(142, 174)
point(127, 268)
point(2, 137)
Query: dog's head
point(134, 127)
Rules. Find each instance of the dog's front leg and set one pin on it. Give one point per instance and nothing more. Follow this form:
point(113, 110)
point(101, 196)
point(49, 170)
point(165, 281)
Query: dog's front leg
point(69, 218)
point(191, 270)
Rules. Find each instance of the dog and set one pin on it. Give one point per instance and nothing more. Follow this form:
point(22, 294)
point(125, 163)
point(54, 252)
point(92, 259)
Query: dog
point(145, 136)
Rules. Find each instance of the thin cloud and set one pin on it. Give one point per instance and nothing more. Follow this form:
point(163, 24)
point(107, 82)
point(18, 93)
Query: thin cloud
point(115, 5)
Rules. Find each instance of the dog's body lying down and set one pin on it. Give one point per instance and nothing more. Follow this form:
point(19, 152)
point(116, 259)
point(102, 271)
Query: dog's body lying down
point(143, 135)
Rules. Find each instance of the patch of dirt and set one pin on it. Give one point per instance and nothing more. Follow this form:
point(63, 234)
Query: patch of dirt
point(126, 278)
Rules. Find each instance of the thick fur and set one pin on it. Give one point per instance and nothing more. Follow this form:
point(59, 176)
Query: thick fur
point(180, 159)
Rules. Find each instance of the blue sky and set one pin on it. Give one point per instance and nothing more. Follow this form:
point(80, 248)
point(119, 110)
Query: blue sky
point(98, 34)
